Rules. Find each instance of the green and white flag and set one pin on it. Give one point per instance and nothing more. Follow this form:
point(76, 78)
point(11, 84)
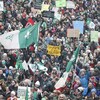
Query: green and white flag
point(20, 38)
point(26, 96)
point(21, 65)
point(72, 60)
point(89, 20)
point(61, 82)
point(39, 66)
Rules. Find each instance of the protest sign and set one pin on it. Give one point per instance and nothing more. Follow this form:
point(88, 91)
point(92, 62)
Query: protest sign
point(35, 11)
point(54, 50)
point(56, 13)
point(94, 36)
point(73, 33)
point(1, 6)
point(22, 91)
point(99, 34)
point(37, 6)
point(60, 3)
point(55, 9)
point(57, 16)
point(45, 7)
point(79, 25)
point(48, 14)
point(39, 1)
point(70, 4)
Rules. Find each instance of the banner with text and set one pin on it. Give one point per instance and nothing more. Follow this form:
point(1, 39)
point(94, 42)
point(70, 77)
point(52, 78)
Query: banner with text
point(48, 14)
point(73, 33)
point(22, 91)
point(54, 50)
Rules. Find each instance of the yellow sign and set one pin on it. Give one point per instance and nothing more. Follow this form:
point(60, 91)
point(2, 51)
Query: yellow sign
point(45, 7)
point(54, 50)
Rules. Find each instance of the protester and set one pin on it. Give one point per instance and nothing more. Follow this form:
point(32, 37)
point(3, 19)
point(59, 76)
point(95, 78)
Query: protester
point(42, 70)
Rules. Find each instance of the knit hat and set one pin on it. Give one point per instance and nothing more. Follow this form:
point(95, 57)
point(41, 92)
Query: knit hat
point(37, 84)
point(13, 92)
point(11, 67)
point(93, 90)
point(80, 89)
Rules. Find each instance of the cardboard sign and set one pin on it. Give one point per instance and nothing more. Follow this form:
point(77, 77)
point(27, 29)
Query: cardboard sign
point(70, 4)
point(1, 6)
point(94, 36)
point(57, 16)
point(54, 50)
point(60, 3)
point(48, 14)
point(72, 33)
point(55, 9)
point(37, 6)
point(35, 11)
point(39, 1)
point(45, 7)
point(22, 91)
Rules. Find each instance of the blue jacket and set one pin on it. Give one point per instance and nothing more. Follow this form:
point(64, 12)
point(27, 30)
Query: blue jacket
point(86, 92)
point(84, 81)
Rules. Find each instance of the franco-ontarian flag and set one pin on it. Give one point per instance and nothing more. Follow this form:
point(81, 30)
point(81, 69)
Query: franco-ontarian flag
point(20, 38)
point(61, 82)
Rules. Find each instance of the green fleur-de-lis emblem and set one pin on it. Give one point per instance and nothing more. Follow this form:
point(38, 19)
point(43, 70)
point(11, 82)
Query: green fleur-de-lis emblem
point(10, 37)
point(27, 35)
point(73, 58)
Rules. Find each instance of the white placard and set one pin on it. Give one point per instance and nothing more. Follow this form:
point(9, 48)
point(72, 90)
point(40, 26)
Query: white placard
point(70, 4)
point(21, 92)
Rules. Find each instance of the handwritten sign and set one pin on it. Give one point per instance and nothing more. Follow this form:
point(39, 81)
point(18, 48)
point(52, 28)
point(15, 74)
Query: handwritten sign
point(22, 91)
point(94, 36)
point(54, 50)
point(72, 33)
point(45, 7)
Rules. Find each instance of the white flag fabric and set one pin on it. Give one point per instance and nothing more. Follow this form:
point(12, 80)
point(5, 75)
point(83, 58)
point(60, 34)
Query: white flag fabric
point(41, 67)
point(1, 6)
point(61, 82)
point(20, 38)
point(25, 66)
point(33, 67)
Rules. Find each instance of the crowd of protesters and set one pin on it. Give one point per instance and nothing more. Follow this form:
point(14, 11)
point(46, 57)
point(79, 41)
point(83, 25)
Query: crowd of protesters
point(85, 85)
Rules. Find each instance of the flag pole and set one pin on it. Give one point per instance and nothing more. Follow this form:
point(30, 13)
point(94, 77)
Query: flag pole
point(36, 45)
